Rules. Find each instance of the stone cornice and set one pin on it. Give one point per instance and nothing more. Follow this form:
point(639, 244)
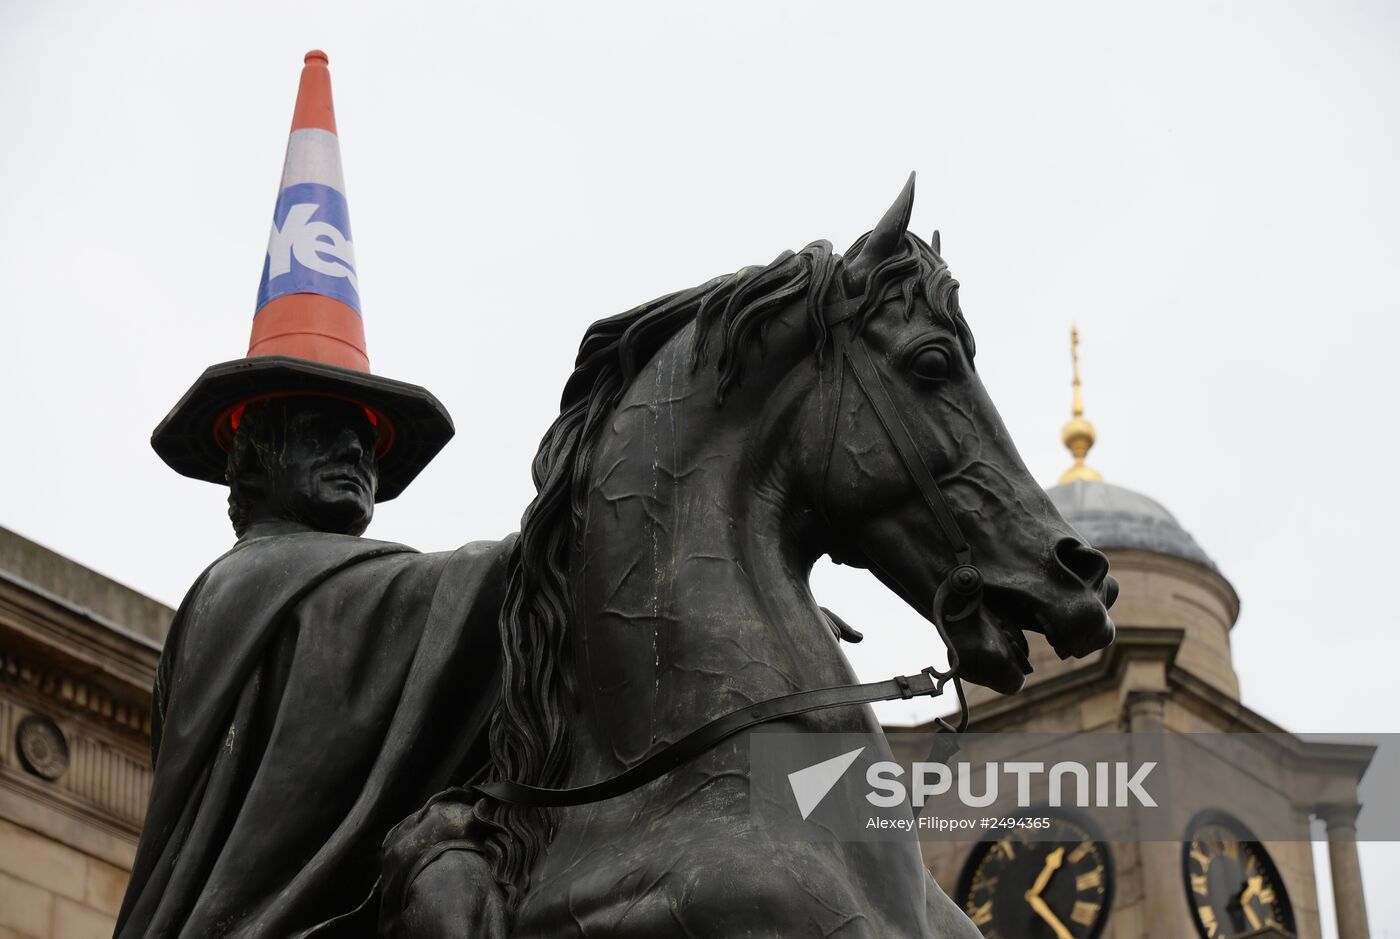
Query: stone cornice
point(67, 693)
point(67, 659)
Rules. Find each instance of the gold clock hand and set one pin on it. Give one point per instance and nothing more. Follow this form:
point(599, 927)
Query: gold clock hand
point(1053, 860)
point(1043, 910)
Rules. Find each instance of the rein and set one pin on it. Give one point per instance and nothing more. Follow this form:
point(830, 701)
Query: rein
point(963, 585)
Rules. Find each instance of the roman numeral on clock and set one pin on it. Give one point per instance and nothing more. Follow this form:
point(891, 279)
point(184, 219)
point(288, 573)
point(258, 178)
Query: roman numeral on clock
point(1084, 913)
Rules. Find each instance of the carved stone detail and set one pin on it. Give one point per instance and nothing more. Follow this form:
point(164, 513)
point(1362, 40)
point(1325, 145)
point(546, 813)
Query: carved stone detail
point(43, 750)
point(110, 779)
point(98, 776)
point(73, 693)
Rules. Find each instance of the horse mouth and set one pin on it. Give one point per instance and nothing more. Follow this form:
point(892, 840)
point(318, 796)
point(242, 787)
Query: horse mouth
point(1020, 647)
point(993, 651)
point(996, 652)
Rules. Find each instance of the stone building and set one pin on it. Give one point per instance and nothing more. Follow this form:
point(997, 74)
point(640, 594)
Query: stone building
point(1169, 670)
point(78, 655)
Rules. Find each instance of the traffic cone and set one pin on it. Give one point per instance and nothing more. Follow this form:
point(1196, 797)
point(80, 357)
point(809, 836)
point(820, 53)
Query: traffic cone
point(308, 336)
point(309, 298)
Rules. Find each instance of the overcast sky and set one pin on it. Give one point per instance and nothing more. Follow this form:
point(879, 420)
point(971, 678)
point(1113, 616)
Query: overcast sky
point(1209, 189)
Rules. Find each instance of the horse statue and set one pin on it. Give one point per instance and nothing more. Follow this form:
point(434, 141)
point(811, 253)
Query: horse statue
point(711, 446)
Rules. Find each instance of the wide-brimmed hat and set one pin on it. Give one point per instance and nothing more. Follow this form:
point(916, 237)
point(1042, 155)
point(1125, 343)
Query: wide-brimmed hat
point(308, 332)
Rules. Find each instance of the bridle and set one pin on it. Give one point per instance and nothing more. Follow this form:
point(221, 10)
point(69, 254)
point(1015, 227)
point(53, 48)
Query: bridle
point(964, 582)
point(962, 587)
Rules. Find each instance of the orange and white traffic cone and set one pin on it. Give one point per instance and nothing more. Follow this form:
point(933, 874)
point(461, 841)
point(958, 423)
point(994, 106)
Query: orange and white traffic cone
point(308, 335)
point(309, 298)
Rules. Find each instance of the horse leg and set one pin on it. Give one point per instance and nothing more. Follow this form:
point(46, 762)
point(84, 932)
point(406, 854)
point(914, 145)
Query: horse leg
point(437, 882)
point(454, 896)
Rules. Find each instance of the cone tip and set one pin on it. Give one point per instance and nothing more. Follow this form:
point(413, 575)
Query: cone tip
point(317, 57)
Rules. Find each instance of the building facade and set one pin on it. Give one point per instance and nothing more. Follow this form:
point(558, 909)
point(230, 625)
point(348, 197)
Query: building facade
point(78, 655)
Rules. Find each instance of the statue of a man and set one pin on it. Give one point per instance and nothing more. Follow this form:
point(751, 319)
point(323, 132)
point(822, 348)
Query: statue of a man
point(316, 687)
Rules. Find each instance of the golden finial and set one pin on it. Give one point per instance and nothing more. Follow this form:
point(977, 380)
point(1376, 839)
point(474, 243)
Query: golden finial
point(1078, 434)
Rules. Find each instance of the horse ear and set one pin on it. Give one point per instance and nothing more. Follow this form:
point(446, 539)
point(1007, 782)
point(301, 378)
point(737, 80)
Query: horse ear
point(884, 241)
point(936, 243)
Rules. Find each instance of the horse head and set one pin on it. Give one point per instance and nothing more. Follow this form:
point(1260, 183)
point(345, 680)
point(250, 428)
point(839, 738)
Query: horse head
point(902, 308)
point(711, 446)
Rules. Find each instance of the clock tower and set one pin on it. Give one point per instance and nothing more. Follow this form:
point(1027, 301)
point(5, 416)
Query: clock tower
point(1168, 671)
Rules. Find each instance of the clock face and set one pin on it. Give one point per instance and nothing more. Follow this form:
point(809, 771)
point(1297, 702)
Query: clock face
point(1232, 884)
point(1017, 888)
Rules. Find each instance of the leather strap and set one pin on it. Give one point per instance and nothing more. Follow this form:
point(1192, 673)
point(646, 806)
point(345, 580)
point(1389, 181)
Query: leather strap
point(857, 356)
point(698, 741)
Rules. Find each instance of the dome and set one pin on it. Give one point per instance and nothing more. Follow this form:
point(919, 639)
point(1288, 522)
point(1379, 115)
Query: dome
point(1109, 516)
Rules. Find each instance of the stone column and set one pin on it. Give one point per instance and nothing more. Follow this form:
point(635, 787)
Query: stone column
point(1165, 912)
point(1347, 895)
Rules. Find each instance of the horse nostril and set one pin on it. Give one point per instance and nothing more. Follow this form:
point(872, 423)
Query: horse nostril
point(1110, 591)
point(1082, 561)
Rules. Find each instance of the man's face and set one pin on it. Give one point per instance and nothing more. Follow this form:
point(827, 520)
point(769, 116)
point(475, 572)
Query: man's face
point(327, 475)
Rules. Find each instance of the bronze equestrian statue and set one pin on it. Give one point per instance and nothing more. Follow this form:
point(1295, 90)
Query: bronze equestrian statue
point(711, 446)
point(552, 730)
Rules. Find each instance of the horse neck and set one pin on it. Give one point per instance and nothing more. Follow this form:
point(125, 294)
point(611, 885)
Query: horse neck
point(691, 593)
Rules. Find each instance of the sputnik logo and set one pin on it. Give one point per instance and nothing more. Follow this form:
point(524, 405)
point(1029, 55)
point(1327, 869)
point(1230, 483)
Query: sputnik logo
point(810, 785)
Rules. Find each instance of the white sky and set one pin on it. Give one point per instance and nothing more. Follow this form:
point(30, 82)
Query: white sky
point(1209, 189)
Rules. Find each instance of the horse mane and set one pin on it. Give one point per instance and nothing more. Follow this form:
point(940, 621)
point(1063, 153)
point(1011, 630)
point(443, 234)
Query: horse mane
point(528, 736)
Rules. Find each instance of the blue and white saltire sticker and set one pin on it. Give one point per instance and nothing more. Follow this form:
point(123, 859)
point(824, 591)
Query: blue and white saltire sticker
point(309, 249)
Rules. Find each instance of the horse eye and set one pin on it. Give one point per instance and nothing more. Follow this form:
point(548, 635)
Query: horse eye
point(930, 363)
